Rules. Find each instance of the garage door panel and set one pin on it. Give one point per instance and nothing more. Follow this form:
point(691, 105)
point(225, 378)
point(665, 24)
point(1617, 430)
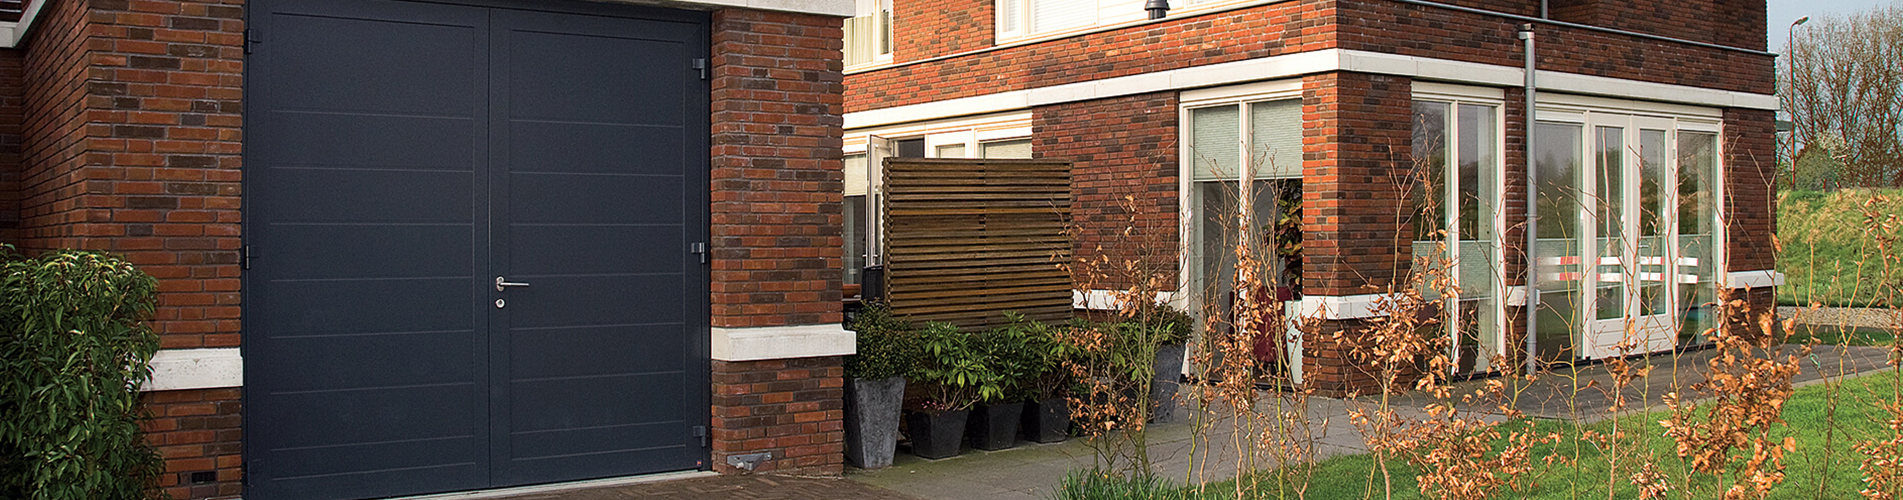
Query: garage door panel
point(574, 249)
point(395, 481)
point(336, 418)
point(574, 467)
point(371, 360)
point(292, 308)
point(340, 251)
point(543, 60)
point(588, 402)
point(406, 196)
point(596, 199)
point(630, 438)
point(569, 301)
point(359, 141)
point(376, 56)
point(367, 460)
point(538, 146)
point(577, 351)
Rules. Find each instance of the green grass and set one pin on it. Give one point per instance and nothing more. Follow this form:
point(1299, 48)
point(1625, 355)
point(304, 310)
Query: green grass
point(1841, 335)
point(1829, 255)
point(1823, 466)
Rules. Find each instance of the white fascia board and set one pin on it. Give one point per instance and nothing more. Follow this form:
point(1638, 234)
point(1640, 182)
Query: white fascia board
point(1753, 279)
point(782, 342)
point(1305, 63)
point(836, 8)
point(179, 369)
point(12, 33)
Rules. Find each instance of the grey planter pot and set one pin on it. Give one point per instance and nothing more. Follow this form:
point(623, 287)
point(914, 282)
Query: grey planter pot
point(872, 421)
point(1047, 421)
point(937, 434)
point(994, 427)
point(1169, 373)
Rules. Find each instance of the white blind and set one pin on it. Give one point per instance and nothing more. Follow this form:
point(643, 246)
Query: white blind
point(1010, 14)
point(1276, 138)
point(1049, 15)
point(855, 168)
point(1215, 140)
point(1007, 149)
point(951, 151)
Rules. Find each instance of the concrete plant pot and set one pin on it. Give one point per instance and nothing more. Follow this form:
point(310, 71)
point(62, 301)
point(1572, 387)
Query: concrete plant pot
point(994, 427)
point(872, 421)
point(1169, 374)
point(936, 434)
point(1048, 421)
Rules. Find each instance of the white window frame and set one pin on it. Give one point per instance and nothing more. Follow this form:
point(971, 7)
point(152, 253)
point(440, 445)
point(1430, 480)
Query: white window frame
point(878, 7)
point(1454, 96)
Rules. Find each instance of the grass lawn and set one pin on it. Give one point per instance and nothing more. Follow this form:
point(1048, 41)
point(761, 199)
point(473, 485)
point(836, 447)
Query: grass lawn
point(1842, 335)
point(1824, 466)
point(1829, 256)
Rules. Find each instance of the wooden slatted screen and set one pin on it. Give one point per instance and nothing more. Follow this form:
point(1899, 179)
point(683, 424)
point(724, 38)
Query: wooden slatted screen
point(968, 240)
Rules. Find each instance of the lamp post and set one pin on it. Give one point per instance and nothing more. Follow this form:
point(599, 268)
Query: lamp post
point(1790, 34)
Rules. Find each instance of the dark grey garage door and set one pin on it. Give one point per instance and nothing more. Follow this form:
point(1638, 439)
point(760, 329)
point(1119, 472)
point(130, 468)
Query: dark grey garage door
point(403, 159)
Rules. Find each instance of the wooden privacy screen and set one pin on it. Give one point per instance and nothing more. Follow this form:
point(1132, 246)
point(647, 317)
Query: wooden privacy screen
point(968, 240)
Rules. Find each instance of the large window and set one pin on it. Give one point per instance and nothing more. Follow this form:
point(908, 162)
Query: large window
point(1455, 192)
point(869, 33)
point(1628, 229)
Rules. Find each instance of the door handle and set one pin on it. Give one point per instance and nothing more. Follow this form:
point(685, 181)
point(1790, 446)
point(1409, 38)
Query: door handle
point(503, 284)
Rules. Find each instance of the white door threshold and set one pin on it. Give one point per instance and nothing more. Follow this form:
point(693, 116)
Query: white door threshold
point(561, 487)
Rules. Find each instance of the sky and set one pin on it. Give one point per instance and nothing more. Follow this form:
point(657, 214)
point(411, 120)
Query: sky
point(1781, 13)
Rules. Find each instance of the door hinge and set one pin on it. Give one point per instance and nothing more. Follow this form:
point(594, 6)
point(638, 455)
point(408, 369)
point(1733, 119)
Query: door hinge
point(244, 258)
point(698, 248)
point(250, 37)
point(706, 440)
point(700, 64)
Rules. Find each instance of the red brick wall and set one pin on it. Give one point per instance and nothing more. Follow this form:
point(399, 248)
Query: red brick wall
point(1356, 140)
point(776, 169)
point(922, 29)
point(1288, 27)
point(1694, 20)
point(1750, 155)
point(198, 433)
point(1118, 147)
point(56, 62)
point(792, 409)
point(12, 115)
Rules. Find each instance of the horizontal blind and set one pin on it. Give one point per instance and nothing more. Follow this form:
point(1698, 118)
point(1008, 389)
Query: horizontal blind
point(1051, 15)
point(855, 168)
point(1215, 143)
point(1020, 149)
point(1276, 138)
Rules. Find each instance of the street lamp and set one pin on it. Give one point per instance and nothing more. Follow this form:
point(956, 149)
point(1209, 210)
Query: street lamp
point(1789, 34)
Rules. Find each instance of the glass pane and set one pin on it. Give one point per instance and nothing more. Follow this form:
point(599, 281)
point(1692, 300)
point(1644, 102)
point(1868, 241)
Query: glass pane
point(1427, 185)
point(1276, 137)
point(1009, 19)
point(1219, 234)
point(951, 151)
point(1653, 165)
point(1557, 151)
point(855, 170)
point(1609, 211)
point(909, 148)
point(1478, 162)
point(1020, 149)
point(1214, 143)
point(1697, 259)
point(854, 235)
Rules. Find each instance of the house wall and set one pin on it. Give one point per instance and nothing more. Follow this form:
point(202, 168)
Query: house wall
point(12, 114)
point(1119, 148)
point(927, 29)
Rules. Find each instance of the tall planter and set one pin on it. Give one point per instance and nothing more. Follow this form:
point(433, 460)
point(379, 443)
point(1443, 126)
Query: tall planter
point(1169, 374)
point(1047, 421)
point(995, 426)
point(936, 434)
point(872, 421)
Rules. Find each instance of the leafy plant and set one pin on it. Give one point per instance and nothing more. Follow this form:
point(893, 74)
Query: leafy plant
point(74, 348)
point(954, 370)
point(1098, 484)
point(1013, 353)
point(887, 347)
point(1168, 325)
point(1046, 353)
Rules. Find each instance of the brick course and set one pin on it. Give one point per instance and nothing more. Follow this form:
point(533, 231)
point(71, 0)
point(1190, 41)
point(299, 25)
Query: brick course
point(791, 409)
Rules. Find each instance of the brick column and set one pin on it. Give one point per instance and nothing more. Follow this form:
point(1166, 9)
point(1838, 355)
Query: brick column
point(131, 144)
point(776, 244)
point(1122, 146)
point(1356, 140)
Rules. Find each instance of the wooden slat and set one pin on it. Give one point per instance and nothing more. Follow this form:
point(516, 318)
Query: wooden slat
point(968, 240)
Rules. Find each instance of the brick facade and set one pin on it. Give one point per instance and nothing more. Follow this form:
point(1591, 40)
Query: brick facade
point(199, 433)
point(792, 410)
point(1356, 140)
point(1121, 147)
point(1750, 157)
point(928, 29)
point(12, 116)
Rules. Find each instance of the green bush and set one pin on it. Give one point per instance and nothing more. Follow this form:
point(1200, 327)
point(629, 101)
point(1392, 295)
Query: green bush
point(74, 347)
point(1095, 484)
point(1010, 354)
point(954, 371)
point(887, 347)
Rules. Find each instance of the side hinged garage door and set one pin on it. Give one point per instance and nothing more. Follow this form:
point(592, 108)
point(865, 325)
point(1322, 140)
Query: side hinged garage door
point(469, 227)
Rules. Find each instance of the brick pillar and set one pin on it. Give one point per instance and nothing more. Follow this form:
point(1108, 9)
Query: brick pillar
point(777, 98)
point(1355, 142)
point(12, 120)
point(131, 144)
point(1749, 147)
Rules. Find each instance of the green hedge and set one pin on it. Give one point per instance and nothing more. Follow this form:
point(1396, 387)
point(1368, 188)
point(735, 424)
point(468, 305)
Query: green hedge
point(74, 347)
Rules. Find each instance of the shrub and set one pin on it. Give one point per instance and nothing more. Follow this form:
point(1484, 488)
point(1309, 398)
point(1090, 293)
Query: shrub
point(74, 348)
point(955, 373)
point(887, 347)
point(1011, 355)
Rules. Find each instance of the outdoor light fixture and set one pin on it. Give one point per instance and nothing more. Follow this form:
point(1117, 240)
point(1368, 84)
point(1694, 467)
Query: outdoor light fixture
point(1157, 8)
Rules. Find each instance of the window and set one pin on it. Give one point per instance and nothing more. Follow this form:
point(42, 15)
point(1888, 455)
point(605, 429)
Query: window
point(869, 33)
point(1454, 190)
point(1628, 237)
point(1021, 18)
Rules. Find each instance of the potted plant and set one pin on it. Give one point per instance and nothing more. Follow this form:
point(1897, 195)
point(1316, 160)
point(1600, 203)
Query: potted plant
point(955, 377)
point(1168, 329)
point(1007, 353)
point(887, 351)
point(1047, 384)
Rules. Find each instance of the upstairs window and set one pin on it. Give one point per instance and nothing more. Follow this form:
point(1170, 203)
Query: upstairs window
point(1023, 18)
point(869, 33)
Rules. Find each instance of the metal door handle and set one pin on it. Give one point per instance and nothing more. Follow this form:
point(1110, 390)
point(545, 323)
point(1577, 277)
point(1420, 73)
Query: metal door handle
point(502, 284)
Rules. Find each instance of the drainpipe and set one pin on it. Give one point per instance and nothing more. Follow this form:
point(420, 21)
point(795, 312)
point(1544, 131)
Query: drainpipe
point(1544, 13)
point(1157, 8)
point(1532, 211)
